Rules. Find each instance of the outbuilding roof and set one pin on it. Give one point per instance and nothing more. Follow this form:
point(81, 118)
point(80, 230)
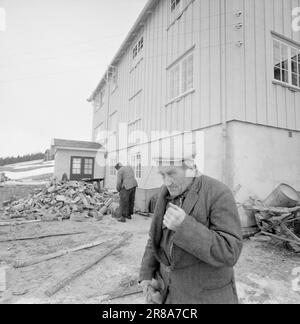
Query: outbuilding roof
point(133, 33)
point(63, 143)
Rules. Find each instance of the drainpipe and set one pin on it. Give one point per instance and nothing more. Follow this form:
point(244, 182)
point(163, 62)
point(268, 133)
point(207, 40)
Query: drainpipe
point(223, 93)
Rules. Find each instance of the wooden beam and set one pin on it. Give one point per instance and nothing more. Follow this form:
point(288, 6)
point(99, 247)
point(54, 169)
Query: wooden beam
point(281, 238)
point(30, 262)
point(19, 223)
point(29, 238)
point(121, 293)
point(61, 284)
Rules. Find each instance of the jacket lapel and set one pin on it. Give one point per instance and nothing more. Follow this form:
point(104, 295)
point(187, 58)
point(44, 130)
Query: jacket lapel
point(193, 196)
point(156, 231)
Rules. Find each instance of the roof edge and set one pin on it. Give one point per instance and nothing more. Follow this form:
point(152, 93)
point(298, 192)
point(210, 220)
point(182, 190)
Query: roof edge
point(146, 11)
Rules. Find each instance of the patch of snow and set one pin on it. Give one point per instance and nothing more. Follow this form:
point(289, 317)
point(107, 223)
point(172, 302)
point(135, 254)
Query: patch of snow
point(30, 173)
point(27, 166)
point(21, 164)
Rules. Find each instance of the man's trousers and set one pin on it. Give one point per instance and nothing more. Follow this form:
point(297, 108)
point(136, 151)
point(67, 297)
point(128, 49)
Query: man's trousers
point(127, 198)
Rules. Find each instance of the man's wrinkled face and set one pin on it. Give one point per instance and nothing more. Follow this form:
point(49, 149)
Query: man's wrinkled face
point(175, 179)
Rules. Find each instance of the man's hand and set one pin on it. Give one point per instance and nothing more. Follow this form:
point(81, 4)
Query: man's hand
point(174, 217)
point(145, 285)
point(151, 291)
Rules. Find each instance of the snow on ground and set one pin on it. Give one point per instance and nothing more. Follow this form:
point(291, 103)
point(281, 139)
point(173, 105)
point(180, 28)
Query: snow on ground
point(30, 165)
point(30, 173)
point(26, 170)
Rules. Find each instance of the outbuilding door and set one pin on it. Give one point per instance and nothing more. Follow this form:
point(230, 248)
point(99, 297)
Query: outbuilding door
point(82, 168)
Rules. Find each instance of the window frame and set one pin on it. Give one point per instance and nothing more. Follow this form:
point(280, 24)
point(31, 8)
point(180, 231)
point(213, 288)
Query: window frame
point(176, 7)
point(138, 48)
point(82, 167)
point(112, 169)
point(289, 70)
point(136, 163)
point(114, 80)
point(100, 99)
point(176, 91)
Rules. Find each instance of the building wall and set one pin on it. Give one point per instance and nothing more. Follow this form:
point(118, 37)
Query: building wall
point(252, 96)
point(262, 158)
point(232, 83)
point(63, 162)
point(229, 79)
point(207, 144)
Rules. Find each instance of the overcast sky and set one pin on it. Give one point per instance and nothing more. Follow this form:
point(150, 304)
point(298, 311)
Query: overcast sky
point(52, 55)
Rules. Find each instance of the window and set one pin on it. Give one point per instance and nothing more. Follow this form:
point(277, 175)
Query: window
point(175, 5)
point(113, 122)
point(181, 77)
point(295, 63)
point(136, 163)
point(88, 166)
point(114, 80)
point(176, 8)
point(99, 100)
point(81, 168)
point(76, 166)
point(138, 48)
point(286, 63)
point(112, 164)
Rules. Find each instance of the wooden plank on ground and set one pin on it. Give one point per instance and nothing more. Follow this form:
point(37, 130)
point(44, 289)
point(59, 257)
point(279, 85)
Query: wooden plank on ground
point(61, 284)
point(33, 261)
point(281, 238)
point(121, 293)
point(29, 238)
point(19, 223)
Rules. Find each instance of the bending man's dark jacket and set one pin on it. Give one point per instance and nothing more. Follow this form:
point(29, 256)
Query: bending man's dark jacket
point(207, 245)
point(126, 178)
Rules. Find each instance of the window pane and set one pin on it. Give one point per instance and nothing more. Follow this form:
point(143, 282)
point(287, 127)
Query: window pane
point(294, 79)
point(88, 166)
point(76, 166)
point(294, 66)
point(277, 74)
point(285, 76)
point(187, 74)
point(277, 55)
point(175, 4)
point(174, 82)
point(190, 72)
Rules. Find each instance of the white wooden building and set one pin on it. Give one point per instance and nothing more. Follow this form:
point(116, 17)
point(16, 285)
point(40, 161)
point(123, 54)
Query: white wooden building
point(228, 70)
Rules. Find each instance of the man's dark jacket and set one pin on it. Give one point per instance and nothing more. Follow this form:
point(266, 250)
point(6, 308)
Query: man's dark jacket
point(206, 247)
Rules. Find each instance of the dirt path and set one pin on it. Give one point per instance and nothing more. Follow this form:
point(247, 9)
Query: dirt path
point(264, 272)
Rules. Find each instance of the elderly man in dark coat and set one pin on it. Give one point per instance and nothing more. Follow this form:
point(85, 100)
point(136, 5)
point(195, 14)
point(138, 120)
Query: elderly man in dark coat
point(126, 186)
point(195, 241)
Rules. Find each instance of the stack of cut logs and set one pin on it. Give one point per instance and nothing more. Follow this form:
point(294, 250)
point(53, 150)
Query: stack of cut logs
point(64, 200)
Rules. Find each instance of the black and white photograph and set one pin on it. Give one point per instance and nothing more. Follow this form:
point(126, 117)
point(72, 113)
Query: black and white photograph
point(150, 154)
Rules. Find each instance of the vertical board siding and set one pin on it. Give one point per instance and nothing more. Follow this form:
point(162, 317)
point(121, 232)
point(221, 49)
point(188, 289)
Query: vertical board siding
point(204, 63)
point(236, 79)
point(264, 102)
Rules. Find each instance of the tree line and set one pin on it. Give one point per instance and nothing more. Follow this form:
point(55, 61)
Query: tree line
point(21, 158)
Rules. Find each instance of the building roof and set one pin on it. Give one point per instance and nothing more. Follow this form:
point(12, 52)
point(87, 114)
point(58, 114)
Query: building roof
point(133, 33)
point(62, 143)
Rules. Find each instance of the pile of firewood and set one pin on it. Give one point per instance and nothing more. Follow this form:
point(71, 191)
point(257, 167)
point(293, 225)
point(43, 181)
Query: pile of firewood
point(62, 200)
point(279, 223)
